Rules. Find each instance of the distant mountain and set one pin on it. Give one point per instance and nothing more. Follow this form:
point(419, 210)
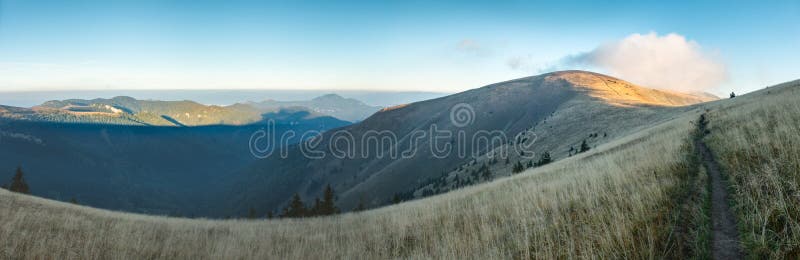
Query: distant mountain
point(221, 97)
point(130, 111)
point(331, 104)
point(556, 111)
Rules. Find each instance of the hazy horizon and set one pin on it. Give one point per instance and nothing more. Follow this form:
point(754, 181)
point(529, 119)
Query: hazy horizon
point(219, 97)
point(713, 46)
point(351, 129)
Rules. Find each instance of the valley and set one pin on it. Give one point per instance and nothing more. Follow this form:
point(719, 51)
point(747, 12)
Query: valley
point(131, 155)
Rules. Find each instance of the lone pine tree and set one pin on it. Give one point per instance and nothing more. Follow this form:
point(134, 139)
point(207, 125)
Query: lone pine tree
point(18, 183)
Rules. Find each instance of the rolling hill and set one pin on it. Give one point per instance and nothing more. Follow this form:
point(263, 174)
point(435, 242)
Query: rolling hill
point(129, 111)
point(636, 196)
point(554, 112)
point(348, 109)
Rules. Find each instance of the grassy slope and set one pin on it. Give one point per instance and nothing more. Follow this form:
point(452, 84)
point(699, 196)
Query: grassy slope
point(560, 110)
point(615, 201)
point(625, 199)
point(757, 140)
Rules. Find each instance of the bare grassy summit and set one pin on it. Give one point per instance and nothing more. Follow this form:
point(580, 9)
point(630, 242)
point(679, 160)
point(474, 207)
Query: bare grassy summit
point(562, 109)
point(620, 92)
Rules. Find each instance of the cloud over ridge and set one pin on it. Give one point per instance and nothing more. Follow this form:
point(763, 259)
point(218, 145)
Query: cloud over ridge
point(664, 62)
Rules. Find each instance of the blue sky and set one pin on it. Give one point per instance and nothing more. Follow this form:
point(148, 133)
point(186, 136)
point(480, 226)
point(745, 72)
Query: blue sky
point(377, 45)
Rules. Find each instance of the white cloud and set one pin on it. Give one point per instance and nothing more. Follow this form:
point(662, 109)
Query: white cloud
point(666, 62)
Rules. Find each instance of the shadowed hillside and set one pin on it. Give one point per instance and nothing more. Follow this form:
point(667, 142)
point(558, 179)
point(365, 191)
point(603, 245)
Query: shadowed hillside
point(148, 169)
point(562, 109)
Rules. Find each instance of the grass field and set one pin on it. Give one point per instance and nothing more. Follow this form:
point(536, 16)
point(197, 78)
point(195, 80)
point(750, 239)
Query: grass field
point(757, 141)
point(615, 202)
point(641, 196)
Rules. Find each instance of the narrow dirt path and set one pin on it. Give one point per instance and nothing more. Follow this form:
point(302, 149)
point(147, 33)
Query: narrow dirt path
point(724, 233)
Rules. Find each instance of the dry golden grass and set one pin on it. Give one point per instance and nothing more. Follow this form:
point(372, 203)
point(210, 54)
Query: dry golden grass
point(616, 201)
point(756, 138)
point(693, 226)
point(622, 93)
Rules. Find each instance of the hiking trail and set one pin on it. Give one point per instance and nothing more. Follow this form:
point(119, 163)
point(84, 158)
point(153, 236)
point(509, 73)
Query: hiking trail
point(724, 233)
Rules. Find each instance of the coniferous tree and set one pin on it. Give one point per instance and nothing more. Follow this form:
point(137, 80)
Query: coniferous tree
point(584, 147)
point(73, 201)
point(328, 205)
point(295, 209)
point(733, 95)
point(485, 172)
point(545, 159)
point(269, 215)
point(315, 210)
point(530, 164)
point(517, 167)
point(18, 183)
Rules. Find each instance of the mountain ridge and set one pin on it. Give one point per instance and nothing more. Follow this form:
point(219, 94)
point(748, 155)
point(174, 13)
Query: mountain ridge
point(565, 108)
point(349, 109)
point(125, 110)
point(557, 110)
